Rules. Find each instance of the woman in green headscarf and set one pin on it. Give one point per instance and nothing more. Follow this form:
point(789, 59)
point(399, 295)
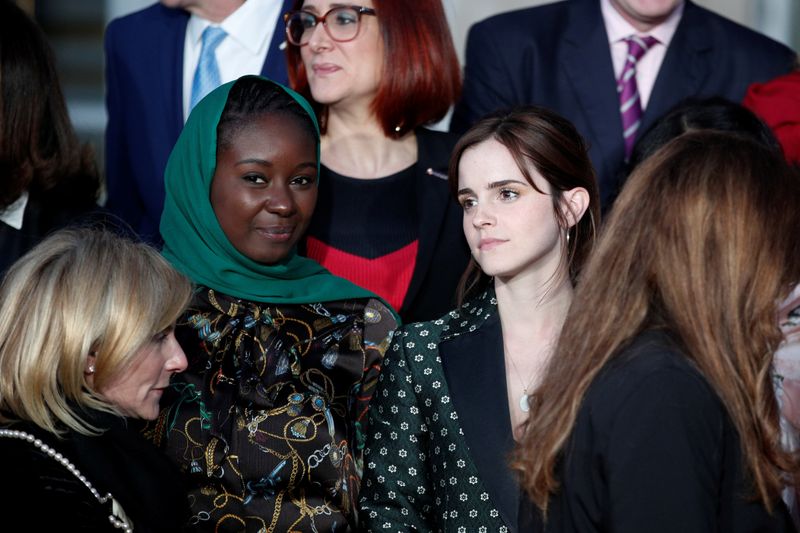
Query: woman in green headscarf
point(268, 420)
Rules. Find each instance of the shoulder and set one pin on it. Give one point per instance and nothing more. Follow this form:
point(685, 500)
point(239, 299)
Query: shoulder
point(466, 319)
point(734, 35)
point(379, 321)
point(434, 149)
point(651, 373)
point(521, 18)
point(521, 22)
point(145, 20)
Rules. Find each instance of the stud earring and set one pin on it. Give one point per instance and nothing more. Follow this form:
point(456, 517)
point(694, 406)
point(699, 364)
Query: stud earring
point(90, 370)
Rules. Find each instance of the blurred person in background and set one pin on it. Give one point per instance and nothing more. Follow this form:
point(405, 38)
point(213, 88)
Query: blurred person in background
point(47, 179)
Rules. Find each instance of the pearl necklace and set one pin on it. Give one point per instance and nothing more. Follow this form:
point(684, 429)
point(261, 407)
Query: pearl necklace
point(116, 521)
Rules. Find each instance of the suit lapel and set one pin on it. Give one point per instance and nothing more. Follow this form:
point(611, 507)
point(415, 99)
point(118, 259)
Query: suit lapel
point(275, 62)
point(586, 59)
point(685, 66)
point(430, 214)
point(171, 76)
point(474, 367)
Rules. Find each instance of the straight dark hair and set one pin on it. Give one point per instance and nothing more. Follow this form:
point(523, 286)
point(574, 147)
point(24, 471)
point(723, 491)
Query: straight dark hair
point(39, 150)
point(541, 140)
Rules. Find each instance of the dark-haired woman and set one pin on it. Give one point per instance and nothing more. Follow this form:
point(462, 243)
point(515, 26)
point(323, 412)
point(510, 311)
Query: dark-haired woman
point(377, 73)
point(47, 179)
point(268, 421)
point(657, 412)
point(453, 394)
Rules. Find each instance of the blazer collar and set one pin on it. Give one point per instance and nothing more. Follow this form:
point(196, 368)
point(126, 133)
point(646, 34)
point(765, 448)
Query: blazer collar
point(431, 206)
point(586, 59)
point(471, 351)
point(470, 316)
point(170, 78)
point(686, 65)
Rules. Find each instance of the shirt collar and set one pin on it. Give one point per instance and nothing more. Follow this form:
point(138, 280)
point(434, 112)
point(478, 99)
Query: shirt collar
point(14, 213)
point(246, 25)
point(618, 28)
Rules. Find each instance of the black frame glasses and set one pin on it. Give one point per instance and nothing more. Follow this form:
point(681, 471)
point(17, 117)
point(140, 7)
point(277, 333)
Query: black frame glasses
point(295, 18)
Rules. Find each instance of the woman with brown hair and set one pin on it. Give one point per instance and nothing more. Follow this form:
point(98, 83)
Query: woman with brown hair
point(376, 74)
point(657, 411)
point(47, 178)
point(453, 393)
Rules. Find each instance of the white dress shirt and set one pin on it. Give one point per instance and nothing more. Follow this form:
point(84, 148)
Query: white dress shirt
point(14, 213)
point(243, 51)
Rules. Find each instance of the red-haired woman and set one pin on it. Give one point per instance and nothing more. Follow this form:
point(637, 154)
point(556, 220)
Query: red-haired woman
point(376, 73)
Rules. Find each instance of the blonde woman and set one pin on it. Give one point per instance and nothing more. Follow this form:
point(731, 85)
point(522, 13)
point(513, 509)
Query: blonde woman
point(86, 340)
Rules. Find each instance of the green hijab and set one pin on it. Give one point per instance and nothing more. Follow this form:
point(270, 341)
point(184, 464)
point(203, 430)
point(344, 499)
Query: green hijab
point(194, 241)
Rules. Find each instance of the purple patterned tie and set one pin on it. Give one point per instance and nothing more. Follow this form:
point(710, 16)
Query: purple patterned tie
point(629, 104)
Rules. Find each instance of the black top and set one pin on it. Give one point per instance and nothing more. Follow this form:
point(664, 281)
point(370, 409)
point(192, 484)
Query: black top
point(442, 254)
point(39, 493)
point(653, 449)
point(366, 231)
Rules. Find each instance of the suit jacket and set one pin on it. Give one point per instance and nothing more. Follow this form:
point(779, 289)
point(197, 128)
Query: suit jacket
point(144, 99)
point(558, 56)
point(440, 430)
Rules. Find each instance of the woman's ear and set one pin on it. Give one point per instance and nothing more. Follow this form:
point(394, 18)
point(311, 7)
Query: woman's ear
point(90, 362)
point(574, 203)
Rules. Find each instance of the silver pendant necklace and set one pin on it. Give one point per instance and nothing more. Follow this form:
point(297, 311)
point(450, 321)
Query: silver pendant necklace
point(523, 401)
point(524, 397)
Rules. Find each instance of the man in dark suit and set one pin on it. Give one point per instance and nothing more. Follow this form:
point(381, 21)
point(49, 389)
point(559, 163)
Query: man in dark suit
point(151, 57)
point(571, 56)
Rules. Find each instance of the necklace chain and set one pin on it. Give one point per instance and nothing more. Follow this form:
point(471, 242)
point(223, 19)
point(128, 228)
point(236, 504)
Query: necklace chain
point(22, 435)
point(523, 399)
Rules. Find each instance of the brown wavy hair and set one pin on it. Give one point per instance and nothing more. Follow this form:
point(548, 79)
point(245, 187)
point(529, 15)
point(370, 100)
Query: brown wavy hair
point(702, 242)
point(539, 139)
point(39, 150)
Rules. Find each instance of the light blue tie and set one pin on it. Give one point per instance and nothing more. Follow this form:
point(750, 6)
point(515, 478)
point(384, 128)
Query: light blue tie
point(206, 75)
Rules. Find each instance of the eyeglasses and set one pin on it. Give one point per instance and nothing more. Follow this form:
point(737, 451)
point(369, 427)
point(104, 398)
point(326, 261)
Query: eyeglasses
point(341, 23)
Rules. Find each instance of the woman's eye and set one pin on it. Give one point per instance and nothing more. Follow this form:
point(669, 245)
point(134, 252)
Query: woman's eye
point(467, 203)
point(345, 19)
point(508, 194)
point(302, 180)
point(254, 178)
point(162, 335)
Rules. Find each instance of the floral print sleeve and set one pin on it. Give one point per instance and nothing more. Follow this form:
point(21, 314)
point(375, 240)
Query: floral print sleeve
point(395, 492)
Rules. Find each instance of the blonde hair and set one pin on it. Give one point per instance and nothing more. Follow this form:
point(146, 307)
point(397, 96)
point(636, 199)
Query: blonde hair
point(702, 242)
point(79, 291)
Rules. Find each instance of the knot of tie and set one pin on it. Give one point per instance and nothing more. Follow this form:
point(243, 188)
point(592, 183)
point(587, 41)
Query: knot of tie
point(630, 105)
point(206, 75)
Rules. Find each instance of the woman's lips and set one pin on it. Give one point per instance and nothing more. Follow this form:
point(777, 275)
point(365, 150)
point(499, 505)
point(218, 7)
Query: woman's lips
point(276, 233)
point(488, 244)
point(323, 69)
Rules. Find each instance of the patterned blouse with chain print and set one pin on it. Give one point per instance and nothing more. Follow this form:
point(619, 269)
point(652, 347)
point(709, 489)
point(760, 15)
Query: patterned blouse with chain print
point(268, 422)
